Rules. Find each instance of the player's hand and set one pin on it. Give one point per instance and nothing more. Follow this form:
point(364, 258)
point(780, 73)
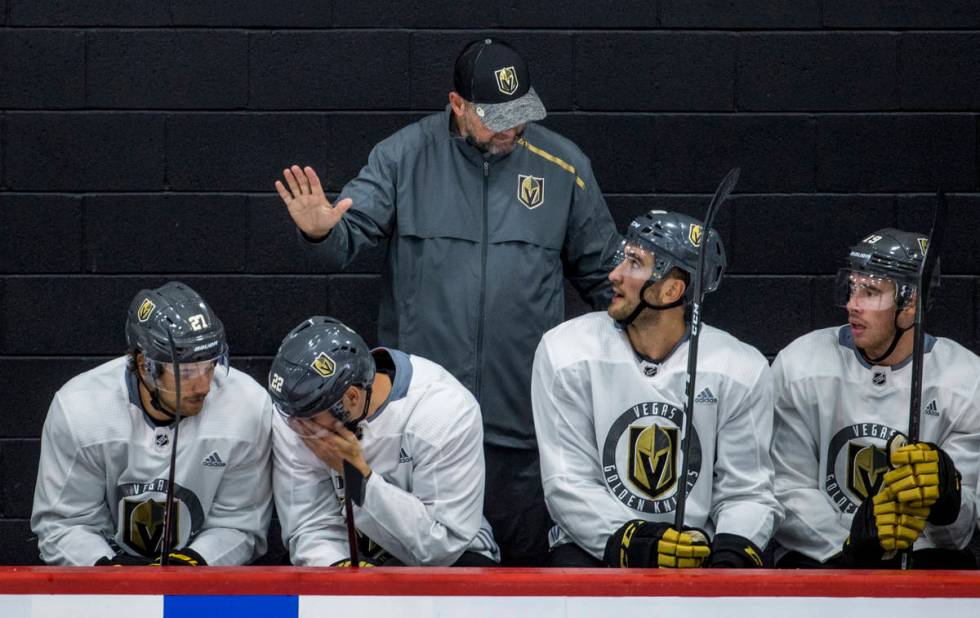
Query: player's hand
point(924, 476)
point(731, 551)
point(882, 527)
point(183, 557)
point(346, 563)
point(123, 559)
point(333, 444)
point(308, 206)
point(639, 544)
point(898, 524)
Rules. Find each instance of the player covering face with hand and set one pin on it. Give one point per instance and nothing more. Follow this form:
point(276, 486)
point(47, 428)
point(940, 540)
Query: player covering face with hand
point(856, 493)
point(412, 434)
point(608, 392)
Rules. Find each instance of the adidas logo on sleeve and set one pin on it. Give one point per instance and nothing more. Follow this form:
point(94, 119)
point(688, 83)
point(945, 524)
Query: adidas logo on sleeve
point(932, 409)
point(403, 457)
point(706, 396)
point(213, 461)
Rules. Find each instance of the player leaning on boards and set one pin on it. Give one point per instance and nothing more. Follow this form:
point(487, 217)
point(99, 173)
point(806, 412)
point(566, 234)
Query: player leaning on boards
point(483, 212)
point(105, 448)
point(411, 431)
point(608, 395)
point(842, 393)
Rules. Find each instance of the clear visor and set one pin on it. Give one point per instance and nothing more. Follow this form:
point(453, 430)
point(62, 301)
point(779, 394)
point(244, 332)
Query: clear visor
point(160, 374)
point(634, 261)
point(864, 291)
point(315, 426)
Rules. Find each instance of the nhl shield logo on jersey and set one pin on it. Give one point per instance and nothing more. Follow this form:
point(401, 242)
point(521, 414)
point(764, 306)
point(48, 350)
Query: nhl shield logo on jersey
point(866, 468)
point(857, 457)
point(641, 457)
point(653, 451)
point(506, 80)
point(694, 234)
point(323, 365)
point(530, 190)
point(145, 310)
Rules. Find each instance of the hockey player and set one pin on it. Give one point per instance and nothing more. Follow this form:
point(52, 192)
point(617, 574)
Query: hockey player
point(854, 496)
point(105, 448)
point(608, 398)
point(411, 431)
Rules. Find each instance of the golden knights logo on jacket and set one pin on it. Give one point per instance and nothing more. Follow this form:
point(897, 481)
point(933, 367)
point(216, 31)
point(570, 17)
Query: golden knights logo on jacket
point(642, 455)
point(530, 190)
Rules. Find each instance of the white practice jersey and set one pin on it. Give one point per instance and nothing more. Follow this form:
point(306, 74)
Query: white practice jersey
point(423, 502)
point(834, 415)
point(103, 474)
point(609, 433)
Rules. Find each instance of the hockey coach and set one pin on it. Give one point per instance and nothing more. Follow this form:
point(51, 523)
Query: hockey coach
point(484, 213)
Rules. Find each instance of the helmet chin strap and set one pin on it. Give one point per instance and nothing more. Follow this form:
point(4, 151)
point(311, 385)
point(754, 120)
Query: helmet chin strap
point(899, 331)
point(354, 425)
point(643, 304)
point(158, 405)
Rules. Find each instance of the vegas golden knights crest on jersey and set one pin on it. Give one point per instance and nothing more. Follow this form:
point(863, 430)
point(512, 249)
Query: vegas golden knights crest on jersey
point(530, 190)
point(653, 451)
point(866, 468)
point(143, 524)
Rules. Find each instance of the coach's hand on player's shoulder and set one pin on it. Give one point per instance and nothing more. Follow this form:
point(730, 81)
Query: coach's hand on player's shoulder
point(308, 206)
point(332, 445)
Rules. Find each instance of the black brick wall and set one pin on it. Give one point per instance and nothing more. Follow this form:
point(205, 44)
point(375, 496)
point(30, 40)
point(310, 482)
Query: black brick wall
point(139, 140)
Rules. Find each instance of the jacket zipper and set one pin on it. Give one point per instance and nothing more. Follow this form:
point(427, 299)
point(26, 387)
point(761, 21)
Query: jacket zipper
point(483, 283)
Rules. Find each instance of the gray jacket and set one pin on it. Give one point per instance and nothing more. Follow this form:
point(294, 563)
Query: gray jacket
point(477, 250)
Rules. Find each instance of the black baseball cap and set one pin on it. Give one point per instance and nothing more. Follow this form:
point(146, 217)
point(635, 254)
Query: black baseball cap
point(494, 77)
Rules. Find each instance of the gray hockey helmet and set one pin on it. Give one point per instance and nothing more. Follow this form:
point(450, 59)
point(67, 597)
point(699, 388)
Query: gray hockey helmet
point(198, 333)
point(315, 365)
point(890, 254)
point(674, 240)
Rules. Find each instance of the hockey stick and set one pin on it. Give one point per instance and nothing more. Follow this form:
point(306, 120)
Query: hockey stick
point(926, 269)
point(721, 194)
point(349, 473)
point(168, 509)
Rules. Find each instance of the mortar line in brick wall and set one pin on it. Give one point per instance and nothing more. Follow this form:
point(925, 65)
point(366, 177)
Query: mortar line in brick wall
point(976, 140)
point(659, 29)
point(557, 114)
point(85, 95)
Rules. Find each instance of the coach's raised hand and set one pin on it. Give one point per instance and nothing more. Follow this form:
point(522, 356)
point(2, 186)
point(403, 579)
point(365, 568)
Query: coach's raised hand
point(308, 206)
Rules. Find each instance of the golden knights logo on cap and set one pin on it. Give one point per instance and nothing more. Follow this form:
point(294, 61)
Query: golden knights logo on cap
point(653, 450)
point(146, 310)
point(530, 190)
point(323, 365)
point(694, 235)
point(506, 80)
point(923, 245)
point(866, 468)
